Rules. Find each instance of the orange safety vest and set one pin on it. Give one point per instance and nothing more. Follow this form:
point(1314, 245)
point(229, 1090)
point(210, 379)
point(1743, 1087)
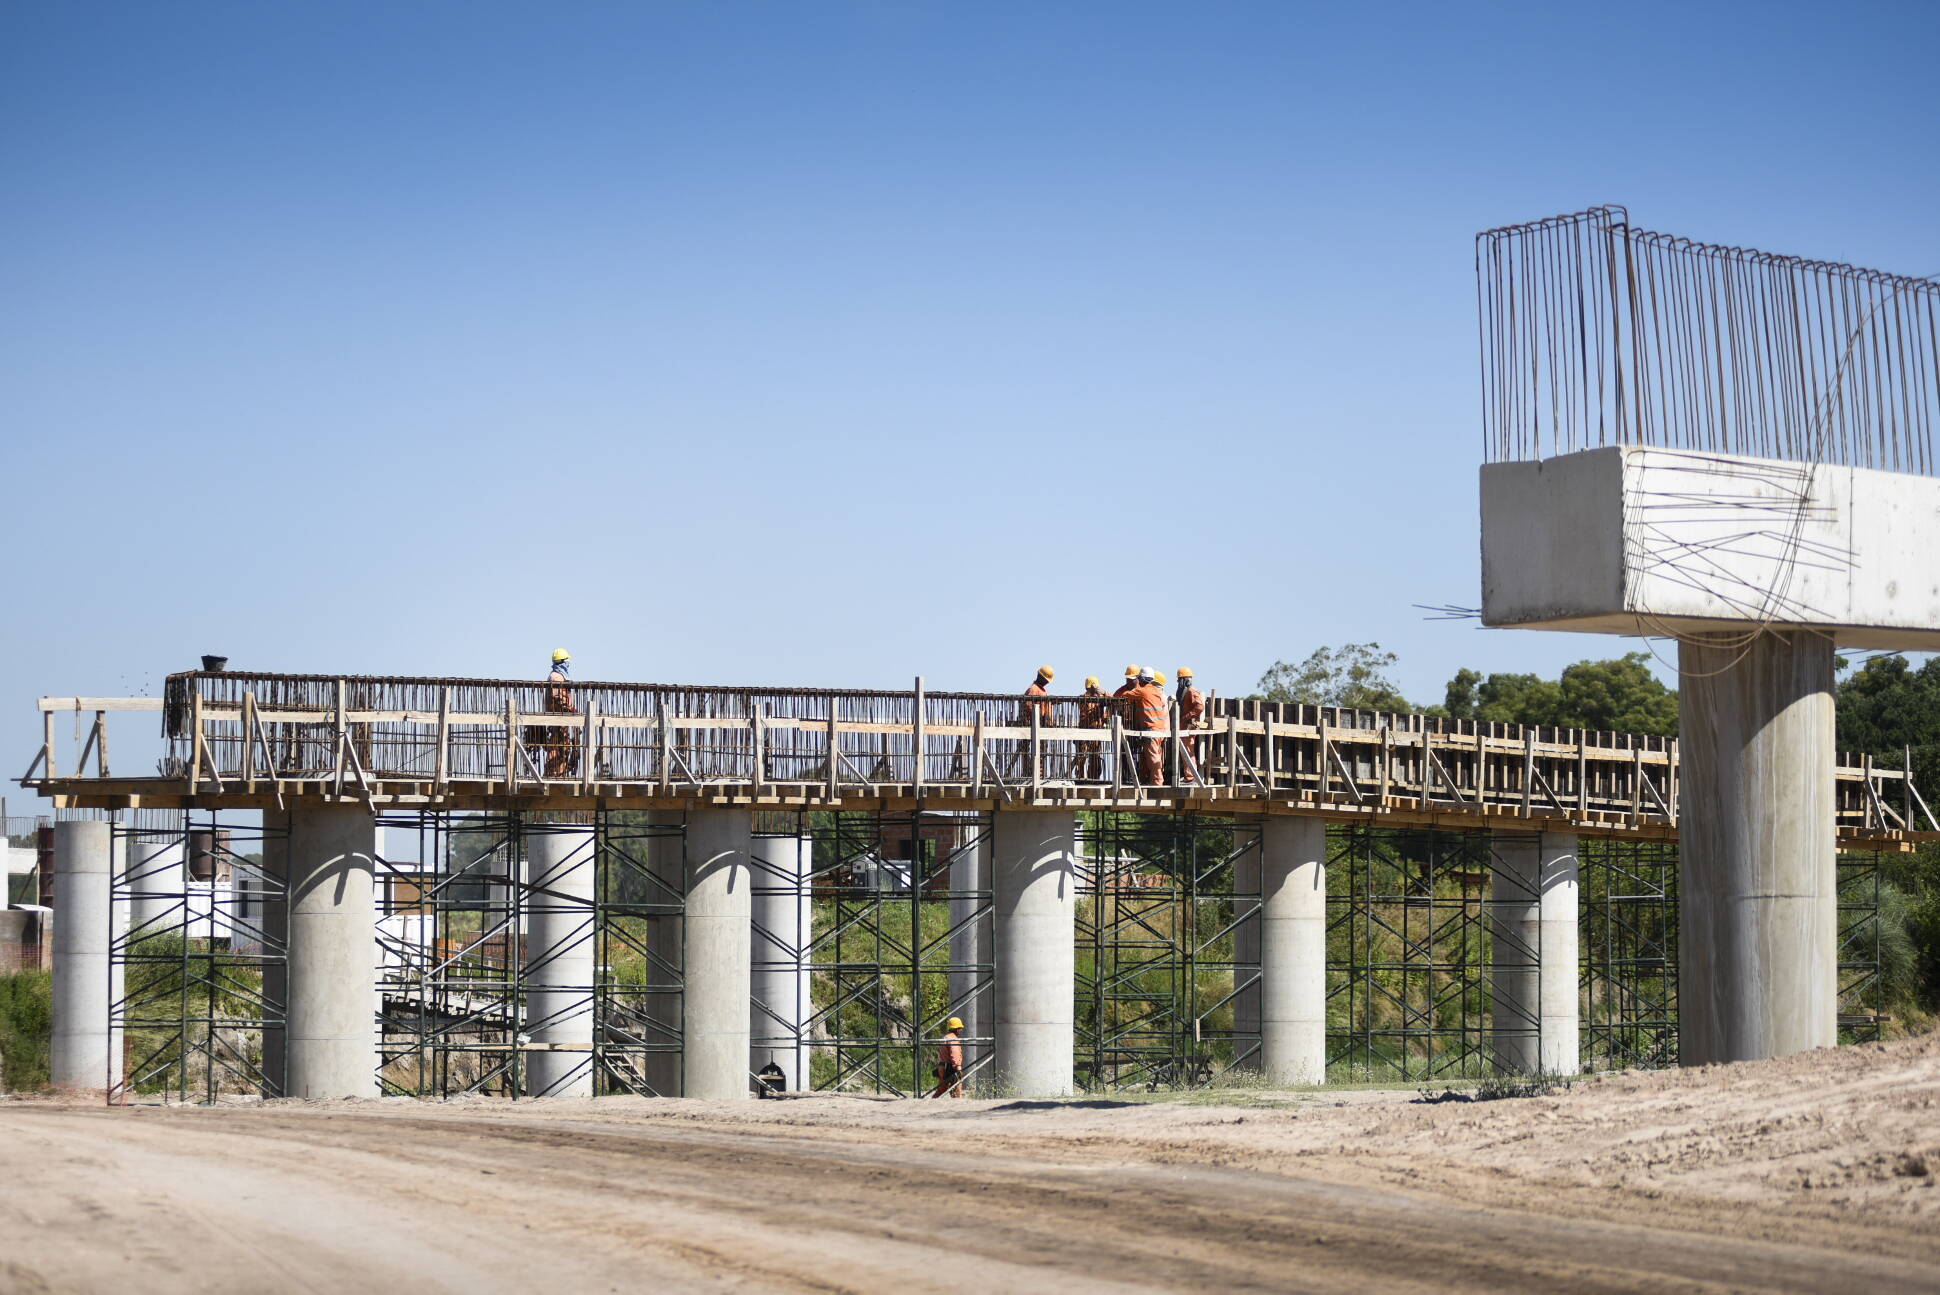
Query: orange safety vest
point(1148, 702)
point(1192, 705)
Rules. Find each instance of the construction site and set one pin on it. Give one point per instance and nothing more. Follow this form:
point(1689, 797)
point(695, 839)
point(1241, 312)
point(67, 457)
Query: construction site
point(365, 979)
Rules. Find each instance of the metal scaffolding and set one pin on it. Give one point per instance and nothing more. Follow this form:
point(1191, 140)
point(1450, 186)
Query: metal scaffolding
point(894, 937)
point(456, 903)
point(1627, 941)
point(1168, 950)
point(197, 958)
point(901, 913)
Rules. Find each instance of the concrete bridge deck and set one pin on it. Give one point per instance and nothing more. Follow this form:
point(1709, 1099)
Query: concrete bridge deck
point(266, 741)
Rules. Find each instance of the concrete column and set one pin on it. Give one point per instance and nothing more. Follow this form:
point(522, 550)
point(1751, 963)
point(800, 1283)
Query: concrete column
point(1033, 864)
point(332, 1027)
point(275, 918)
point(1534, 985)
point(1293, 950)
point(970, 941)
point(779, 939)
point(715, 1016)
point(1246, 954)
point(157, 882)
point(1758, 909)
point(84, 1052)
point(667, 865)
point(562, 865)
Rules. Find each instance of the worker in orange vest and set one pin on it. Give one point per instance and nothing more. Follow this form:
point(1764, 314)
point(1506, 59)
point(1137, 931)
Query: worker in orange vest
point(949, 1060)
point(1149, 716)
point(1192, 708)
point(1043, 710)
point(1092, 714)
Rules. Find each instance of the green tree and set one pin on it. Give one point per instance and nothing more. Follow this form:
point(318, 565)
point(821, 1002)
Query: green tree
point(1620, 695)
point(1353, 675)
point(1889, 710)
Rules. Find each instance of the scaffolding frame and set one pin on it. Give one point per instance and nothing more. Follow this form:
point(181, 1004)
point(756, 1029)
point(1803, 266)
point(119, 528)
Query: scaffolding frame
point(197, 1003)
point(894, 950)
point(454, 983)
point(1168, 919)
point(1627, 947)
point(1416, 920)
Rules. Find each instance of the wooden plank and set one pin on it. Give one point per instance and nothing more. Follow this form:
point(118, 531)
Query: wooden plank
point(441, 766)
point(916, 734)
point(1528, 768)
point(100, 703)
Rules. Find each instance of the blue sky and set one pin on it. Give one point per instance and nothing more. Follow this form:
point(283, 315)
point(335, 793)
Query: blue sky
point(833, 343)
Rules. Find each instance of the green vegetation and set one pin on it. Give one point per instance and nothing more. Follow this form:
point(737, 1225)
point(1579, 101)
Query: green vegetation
point(26, 1029)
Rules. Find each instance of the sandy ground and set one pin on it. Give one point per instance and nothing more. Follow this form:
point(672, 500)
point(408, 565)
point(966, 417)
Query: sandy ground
point(1816, 1173)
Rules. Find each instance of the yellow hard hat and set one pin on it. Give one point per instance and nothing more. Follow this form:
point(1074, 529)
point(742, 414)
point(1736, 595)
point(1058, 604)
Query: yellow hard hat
point(1158, 676)
point(954, 1023)
point(1131, 672)
point(561, 654)
point(1091, 681)
point(1047, 672)
point(1185, 672)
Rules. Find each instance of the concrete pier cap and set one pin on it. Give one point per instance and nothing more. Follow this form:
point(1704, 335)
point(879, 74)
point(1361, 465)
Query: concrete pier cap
point(1760, 568)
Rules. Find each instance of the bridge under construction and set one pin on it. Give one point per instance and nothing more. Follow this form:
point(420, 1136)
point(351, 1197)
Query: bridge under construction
point(336, 886)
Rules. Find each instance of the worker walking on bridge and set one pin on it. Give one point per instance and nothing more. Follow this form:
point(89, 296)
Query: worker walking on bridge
point(1192, 708)
point(559, 742)
point(1149, 716)
point(1041, 709)
point(949, 1060)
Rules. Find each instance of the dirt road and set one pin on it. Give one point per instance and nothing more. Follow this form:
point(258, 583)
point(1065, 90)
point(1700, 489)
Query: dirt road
point(1811, 1174)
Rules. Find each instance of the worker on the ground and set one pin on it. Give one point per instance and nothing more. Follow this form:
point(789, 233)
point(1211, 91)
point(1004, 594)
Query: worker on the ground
point(1149, 716)
point(558, 743)
point(949, 1060)
point(1192, 708)
point(1042, 709)
point(1092, 714)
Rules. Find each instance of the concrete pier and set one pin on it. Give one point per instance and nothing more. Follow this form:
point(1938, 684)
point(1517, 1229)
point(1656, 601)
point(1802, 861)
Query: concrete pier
point(561, 871)
point(1293, 950)
point(1758, 917)
point(779, 940)
point(717, 972)
point(1033, 873)
point(332, 1026)
point(1534, 992)
point(666, 851)
point(970, 942)
point(156, 883)
point(84, 1051)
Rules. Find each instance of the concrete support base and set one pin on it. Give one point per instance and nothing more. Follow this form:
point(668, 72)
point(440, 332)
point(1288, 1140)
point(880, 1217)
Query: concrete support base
point(1534, 990)
point(716, 1017)
point(84, 1052)
point(332, 972)
point(779, 939)
point(1033, 866)
point(1758, 916)
point(1293, 950)
point(561, 871)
